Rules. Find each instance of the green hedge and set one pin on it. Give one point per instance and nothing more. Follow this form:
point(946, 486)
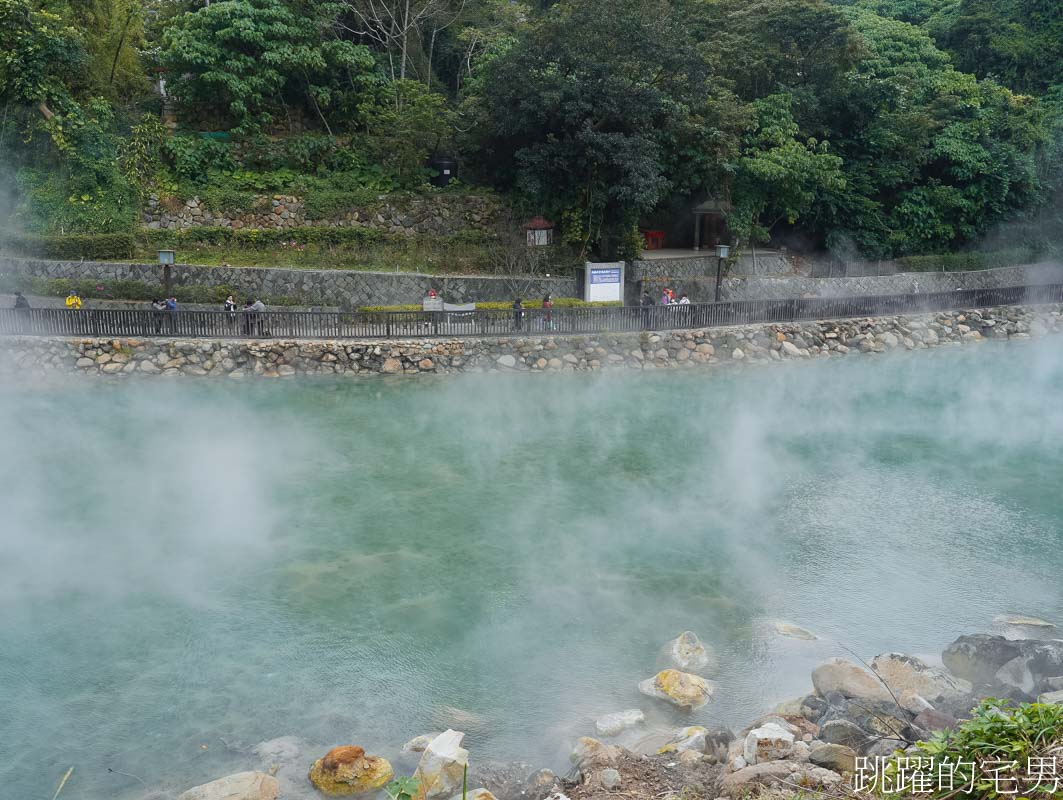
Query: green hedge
point(88, 246)
point(260, 237)
point(134, 290)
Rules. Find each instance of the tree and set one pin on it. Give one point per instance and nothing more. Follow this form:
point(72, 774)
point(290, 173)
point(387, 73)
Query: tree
point(404, 126)
point(257, 60)
point(1018, 42)
point(599, 110)
point(397, 26)
point(801, 47)
point(39, 54)
point(779, 176)
point(933, 157)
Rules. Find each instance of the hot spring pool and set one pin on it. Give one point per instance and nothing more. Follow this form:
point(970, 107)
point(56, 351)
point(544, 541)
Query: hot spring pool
point(188, 568)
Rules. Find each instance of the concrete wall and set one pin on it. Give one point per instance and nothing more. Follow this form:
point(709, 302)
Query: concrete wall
point(325, 287)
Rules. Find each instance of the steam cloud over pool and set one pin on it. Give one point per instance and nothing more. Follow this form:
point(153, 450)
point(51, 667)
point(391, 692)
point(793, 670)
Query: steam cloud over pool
point(187, 568)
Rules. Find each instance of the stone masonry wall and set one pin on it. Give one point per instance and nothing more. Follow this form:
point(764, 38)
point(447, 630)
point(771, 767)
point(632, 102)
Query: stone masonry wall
point(701, 290)
point(355, 288)
point(26, 355)
point(440, 215)
point(323, 287)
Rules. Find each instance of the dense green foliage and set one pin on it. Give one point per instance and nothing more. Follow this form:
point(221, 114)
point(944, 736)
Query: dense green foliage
point(888, 128)
point(1004, 750)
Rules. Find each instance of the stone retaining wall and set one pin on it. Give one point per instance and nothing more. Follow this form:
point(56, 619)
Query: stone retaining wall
point(354, 288)
point(649, 350)
point(702, 289)
point(320, 287)
point(703, 265)
point(439, 215)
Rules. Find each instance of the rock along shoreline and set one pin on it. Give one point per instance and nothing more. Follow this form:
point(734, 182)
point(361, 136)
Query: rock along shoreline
point(680, 349)
point(812, 743)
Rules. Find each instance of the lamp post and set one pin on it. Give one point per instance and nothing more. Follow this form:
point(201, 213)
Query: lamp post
point(722, 251)
point(166, 260)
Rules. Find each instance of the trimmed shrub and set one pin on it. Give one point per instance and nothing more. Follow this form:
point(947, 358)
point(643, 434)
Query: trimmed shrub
point(87, 246)
point(136, 290)
point(261, 237)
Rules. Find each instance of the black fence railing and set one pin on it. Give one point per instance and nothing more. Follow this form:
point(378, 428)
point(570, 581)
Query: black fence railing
point(423, 324)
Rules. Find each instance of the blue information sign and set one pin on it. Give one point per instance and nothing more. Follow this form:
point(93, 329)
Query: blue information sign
point(607, 275)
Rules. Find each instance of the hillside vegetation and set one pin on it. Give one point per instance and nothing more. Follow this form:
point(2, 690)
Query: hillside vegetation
point(883, 128)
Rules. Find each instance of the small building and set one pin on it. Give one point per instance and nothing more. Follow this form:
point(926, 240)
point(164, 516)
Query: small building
point(540, 232)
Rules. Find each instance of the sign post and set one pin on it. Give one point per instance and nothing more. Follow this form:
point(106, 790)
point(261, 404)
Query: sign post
point(604, 282)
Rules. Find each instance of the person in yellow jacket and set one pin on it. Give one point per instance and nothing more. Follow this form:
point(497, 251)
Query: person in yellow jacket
point(73, 302)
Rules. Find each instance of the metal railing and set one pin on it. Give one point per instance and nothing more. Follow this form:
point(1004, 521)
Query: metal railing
point(425, 324)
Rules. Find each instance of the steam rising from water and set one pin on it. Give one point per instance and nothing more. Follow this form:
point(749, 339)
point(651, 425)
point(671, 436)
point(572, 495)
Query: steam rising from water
point(186, 562)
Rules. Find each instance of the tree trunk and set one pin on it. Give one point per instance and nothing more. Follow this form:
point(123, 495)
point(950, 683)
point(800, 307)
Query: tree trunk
point(405, 38)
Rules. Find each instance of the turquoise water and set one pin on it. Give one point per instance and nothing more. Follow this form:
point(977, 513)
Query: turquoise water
point(189, 568)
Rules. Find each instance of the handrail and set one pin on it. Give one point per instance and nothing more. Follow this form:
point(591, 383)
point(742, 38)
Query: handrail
point(449, 324)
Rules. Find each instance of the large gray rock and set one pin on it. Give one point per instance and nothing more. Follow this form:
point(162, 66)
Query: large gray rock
point(773, 773)
point(843, 676)
point(836, 757)
point(842, 731)
point(1046, 657)
point(1051, 698)
point(813, 707)
point(884, 748)
point(1015, 677)
point(241, 786)
point(905, 674)
point(977, 657)
point(934, 720)
point(590, 754)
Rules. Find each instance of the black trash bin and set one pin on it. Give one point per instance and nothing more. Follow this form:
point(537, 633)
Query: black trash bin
point(446, 170)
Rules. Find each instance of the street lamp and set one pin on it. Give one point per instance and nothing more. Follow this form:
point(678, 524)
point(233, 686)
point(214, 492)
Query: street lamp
point(722, 251)
point(166, 260)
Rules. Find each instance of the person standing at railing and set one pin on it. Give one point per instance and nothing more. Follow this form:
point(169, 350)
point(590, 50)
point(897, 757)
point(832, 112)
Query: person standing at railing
point(73, 302)
point(252, 320)
point(686, 311)
point(171, 312)
point(230, 308)
point(548, 306)
point(518, 314)
point(159, 307)
point(21, 302)
point(647, 304)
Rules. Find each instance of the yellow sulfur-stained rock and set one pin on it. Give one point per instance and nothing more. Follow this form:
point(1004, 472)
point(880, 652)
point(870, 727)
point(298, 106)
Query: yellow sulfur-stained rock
point(348, 770)
point(679, 688)
point(441, 772)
